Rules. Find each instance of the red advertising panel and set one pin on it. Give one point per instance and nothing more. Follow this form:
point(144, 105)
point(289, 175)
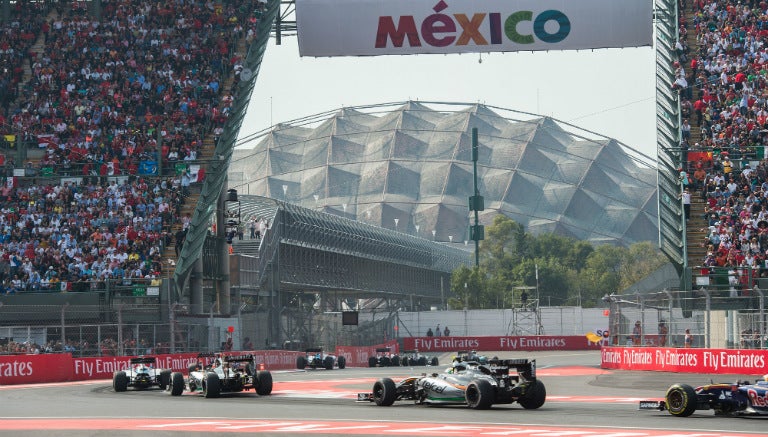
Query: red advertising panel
point(506, 343)
point(31, 369)
point(104, 367)
point(276, 360)
point(717, 361)
point(358, 355)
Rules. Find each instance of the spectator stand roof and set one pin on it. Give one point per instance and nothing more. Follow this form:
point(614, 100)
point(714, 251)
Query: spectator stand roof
point(407, 166)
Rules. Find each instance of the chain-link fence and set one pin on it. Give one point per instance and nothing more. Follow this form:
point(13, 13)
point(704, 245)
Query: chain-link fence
point(86, 330)
point(706, 317)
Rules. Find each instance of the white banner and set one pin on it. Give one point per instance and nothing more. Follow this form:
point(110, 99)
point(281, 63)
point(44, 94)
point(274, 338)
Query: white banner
point(402, 27)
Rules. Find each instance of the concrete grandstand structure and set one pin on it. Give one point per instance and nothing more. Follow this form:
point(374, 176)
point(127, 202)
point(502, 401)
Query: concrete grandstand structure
point(407, 167)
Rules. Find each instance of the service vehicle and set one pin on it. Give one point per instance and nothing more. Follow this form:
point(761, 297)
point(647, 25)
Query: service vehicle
point(479, 386)
point(741, 398)
point(225, 374)
point(141, 373)
point(315, 358)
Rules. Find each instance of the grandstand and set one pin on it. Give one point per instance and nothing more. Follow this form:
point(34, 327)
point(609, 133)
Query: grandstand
point(111, 115)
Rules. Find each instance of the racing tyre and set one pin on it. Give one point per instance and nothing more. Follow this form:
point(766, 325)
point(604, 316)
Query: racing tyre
point(681, 400)
point(177, 384)
point(211, 385)
point(263, 382)
point(386, 361)
point(384, 392)
point(301, 362)
point(120, 381)
point(434, 361)
point(422, 361)
point(479, 394)
point(404, 361)
point(371, 361)
point(328, 363)
point(165, 379)
point(342, 362)
point(534, 396)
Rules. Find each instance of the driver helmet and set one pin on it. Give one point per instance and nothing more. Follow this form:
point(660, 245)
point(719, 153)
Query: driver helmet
point(765, 377)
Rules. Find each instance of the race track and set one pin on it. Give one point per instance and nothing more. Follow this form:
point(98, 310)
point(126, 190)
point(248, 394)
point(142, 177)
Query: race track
point(582, 400)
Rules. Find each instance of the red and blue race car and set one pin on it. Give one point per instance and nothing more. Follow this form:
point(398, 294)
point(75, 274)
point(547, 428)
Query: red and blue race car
point(726, 399)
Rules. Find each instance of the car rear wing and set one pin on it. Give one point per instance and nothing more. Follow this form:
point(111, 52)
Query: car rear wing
point(313, 350)
point(525, 368)
point(206, 355)
point(382, 349)
point(143, 360)
point(238, 358)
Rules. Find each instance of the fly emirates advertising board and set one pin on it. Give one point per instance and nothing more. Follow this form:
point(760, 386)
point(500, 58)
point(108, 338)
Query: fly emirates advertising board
point(404, 27)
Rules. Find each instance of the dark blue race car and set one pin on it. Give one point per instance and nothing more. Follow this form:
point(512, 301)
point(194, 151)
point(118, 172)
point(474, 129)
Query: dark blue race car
point(735, 399)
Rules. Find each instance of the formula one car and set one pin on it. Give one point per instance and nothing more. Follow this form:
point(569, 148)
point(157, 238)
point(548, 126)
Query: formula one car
point(226, 374)
point(470, 356)
point(414, 358)
point(383, 358)
point(476, 385)
point(737, 399)
point(141, 374)
point(315, 358)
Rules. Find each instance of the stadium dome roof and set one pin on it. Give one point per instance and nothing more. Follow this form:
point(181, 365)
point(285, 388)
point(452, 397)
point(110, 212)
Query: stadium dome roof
point(408, 166)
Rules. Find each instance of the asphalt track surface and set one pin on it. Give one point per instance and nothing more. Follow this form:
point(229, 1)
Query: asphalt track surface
point(582, 400)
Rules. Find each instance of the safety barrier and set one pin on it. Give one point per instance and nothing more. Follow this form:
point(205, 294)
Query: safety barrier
point(685, 360)
point(501, 343)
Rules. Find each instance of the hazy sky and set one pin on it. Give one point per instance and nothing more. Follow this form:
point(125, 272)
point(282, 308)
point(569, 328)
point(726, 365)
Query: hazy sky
point(607, 91)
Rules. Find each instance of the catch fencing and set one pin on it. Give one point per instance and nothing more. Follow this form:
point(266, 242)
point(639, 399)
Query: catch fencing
point(709, 316)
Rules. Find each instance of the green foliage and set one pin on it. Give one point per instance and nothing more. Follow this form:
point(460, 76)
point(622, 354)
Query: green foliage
point(563, 270)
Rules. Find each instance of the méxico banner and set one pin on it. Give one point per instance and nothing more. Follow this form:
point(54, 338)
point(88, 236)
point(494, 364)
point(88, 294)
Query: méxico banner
point(404, 27)
point(716, 361)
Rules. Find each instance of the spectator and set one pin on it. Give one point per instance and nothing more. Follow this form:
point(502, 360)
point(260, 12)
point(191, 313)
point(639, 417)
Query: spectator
point(688, 339)
point(446, 332)
point(637, 334)
point(438, 333)
point(663, 331)
point(429, 332)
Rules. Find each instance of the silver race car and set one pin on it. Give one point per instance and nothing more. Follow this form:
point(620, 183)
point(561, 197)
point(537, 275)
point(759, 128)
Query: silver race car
point(141, 374)
point(470, 383)
point(225, 374)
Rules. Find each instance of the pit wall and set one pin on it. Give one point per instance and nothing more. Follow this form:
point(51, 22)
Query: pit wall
point(46, 368)
point(688, 360)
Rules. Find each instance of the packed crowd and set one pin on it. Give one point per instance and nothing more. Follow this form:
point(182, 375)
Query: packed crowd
point(144, 84)
point(723, 85)
point(53, 237)
point(84, 348)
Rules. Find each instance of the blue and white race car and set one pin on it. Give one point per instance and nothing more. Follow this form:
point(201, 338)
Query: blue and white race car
point(315, 358)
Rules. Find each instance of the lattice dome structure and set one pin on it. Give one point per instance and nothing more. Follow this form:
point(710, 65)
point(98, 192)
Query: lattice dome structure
point(407, 166)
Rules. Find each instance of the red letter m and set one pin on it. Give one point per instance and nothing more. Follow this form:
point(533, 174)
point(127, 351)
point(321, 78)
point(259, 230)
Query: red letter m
point(406, 26)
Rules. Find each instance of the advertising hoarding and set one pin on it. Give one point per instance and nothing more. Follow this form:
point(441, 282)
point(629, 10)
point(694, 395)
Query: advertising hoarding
point(403, 27)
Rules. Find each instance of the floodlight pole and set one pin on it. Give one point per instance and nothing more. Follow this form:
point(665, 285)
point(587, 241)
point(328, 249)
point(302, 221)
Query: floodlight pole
point(476, 203)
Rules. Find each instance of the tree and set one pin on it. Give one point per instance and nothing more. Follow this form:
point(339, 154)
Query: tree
point(570, 272)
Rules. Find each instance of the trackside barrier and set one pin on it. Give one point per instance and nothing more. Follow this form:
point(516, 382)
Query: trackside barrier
point(685, 360)
point(32, 369)
point(503, 343)
point(358, 355)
